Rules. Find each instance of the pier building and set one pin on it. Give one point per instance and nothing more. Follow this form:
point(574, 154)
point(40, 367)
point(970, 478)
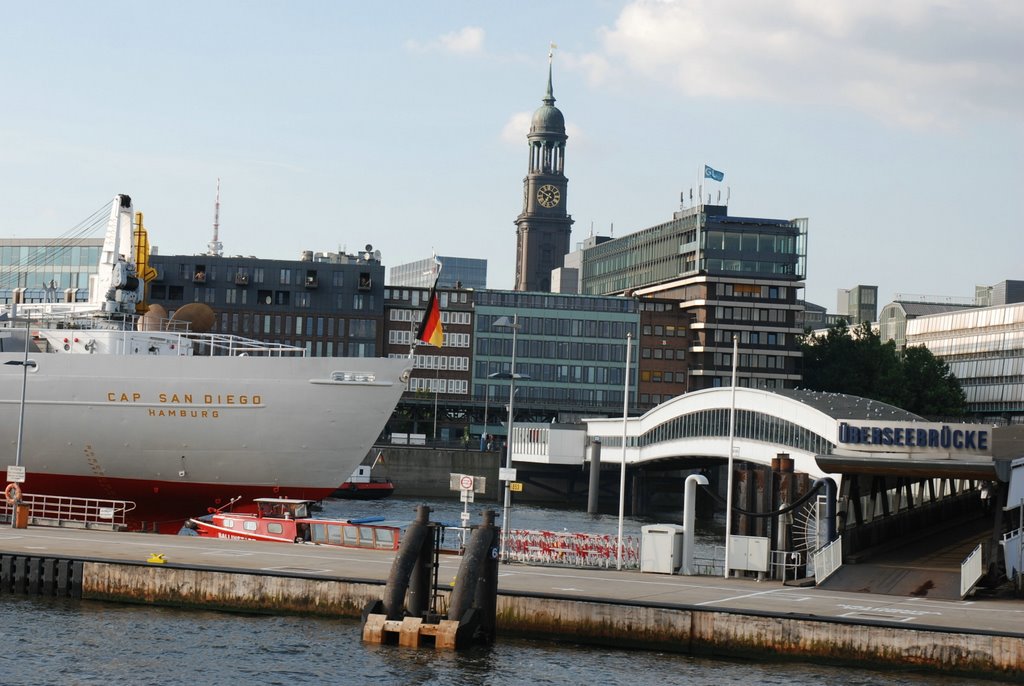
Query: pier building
point(898, 474)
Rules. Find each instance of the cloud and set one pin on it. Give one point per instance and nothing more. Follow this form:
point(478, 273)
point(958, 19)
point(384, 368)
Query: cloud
point(518, 126)
point(468, 40)
point(913, 63)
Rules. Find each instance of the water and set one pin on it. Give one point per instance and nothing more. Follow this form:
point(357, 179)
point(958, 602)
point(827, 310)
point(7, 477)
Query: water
point(56, 641)
point(60, 641)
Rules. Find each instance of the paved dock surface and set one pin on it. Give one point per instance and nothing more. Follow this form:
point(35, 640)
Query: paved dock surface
point(740, 595)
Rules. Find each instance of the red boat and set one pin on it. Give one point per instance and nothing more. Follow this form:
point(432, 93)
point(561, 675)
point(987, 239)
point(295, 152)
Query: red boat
point(363, 485)
point(377, 487)
point(288, 520)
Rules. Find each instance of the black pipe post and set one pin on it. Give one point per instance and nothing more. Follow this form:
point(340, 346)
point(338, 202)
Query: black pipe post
point(595, 475)
point(476, 553)
point(401, 568)
point(486, 598)
point(421, 581)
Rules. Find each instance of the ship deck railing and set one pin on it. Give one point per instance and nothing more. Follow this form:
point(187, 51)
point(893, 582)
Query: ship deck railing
point(71, 512)
point(72, 316)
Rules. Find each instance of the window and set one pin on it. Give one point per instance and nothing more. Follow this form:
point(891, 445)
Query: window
point(286, 277)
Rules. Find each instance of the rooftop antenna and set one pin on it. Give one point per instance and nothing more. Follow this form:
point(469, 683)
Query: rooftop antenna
point(215, 248)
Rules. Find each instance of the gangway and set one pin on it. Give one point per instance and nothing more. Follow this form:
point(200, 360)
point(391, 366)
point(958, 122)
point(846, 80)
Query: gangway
point(72, 512)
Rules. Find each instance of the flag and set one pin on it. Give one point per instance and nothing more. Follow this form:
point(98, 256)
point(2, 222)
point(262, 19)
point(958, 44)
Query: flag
point(430, 330)
point(713, 174)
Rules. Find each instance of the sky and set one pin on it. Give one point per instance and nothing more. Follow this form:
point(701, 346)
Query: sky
point(896, 128)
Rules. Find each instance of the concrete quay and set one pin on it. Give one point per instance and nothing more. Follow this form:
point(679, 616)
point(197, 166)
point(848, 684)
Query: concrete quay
point(706, 616)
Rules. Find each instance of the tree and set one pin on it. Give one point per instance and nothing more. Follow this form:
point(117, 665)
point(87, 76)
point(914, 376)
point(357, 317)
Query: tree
point(858, 363)
point(930, 387)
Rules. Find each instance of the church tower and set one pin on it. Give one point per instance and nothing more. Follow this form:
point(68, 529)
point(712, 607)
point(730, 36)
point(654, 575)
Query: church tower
point(543, 227)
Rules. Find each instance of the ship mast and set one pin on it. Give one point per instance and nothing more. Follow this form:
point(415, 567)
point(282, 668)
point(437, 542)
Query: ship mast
point(215, 248)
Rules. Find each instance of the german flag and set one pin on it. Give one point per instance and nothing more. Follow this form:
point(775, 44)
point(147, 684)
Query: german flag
point(430, 330)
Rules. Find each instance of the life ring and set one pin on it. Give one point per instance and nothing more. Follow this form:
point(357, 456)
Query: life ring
point(12, 493)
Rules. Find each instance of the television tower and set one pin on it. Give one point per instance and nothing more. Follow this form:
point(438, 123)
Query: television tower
point(215, 248)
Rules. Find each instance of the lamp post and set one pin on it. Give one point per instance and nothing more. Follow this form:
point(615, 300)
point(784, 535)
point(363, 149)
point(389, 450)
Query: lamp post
point(513, 324)
point(483, 434)
point(622, 466)
point(732, 450)
point(437, 387)
point(25, 364)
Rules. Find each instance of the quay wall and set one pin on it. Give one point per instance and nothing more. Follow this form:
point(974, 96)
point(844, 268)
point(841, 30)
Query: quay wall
point(677, 628)
point(423, 472)
point(719, 633)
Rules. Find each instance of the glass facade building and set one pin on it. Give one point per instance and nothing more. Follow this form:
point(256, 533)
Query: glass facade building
point(47, 269)
point(703, 240)
point(573, 348)
point(456, 272)
point(731, 277)
point(984, 348)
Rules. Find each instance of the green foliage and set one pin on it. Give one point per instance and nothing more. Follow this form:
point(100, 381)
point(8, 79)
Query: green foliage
point(858, 363)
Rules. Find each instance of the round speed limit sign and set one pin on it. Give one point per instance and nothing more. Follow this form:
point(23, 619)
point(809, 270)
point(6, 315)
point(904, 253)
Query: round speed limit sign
point(466, 483)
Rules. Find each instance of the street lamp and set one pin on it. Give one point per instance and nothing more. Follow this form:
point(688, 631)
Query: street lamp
point(25, 364)
point(24, 382)
point(513, 324)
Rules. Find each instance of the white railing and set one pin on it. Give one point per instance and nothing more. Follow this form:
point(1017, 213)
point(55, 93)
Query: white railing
point(1013, 553)
point(87, 513)
point(710, 566)
point(828, 559)
point(785, 565)
point(970, 571)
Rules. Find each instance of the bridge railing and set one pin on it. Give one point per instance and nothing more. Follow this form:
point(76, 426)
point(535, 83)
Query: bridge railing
point(970, 571)
point(828, 559)
point(572, 549)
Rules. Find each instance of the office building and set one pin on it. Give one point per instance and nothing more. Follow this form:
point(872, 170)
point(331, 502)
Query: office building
point(733, 277)
point(331, 304)
point(984, 348)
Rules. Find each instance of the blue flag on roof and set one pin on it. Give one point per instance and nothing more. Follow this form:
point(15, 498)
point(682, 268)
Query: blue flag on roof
point(713, 174)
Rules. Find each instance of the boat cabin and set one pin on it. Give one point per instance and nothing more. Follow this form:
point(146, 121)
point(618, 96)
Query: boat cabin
point(283, 508)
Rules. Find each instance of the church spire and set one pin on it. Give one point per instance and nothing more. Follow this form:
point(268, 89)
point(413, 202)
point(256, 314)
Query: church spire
point(544, 226)
point(549, 97)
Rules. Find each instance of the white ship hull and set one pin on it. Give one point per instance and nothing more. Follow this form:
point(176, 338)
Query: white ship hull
point(178, 434)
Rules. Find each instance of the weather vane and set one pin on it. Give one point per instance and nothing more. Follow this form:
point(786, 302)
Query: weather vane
point(551, 51)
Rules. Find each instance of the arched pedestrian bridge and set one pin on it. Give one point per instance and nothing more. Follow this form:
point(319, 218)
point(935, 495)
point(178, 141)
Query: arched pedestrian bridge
point(824, 434)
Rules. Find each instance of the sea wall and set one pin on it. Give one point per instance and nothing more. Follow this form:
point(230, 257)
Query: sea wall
point(677, 628)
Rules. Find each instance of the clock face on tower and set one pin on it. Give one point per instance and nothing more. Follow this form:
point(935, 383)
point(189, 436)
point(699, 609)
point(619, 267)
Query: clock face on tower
point(548, 196)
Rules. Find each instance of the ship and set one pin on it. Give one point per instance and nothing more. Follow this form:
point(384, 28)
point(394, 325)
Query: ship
point(110, 400)
point(363, 484)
